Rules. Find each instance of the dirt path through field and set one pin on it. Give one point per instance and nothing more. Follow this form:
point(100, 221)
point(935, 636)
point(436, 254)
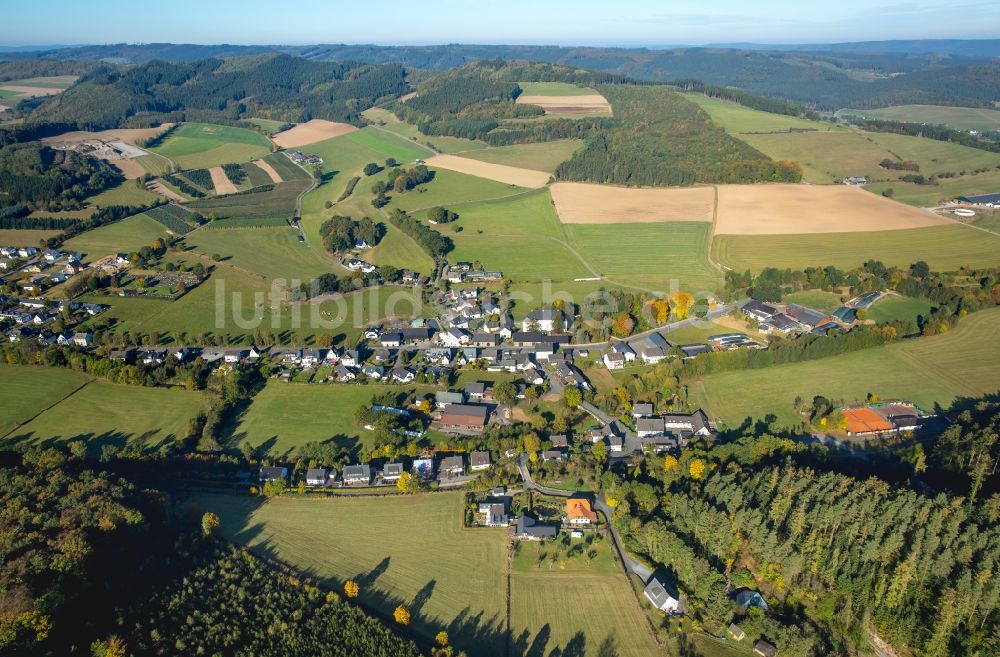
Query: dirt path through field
point(268, 169)
point(221, 182)
point(163, 190)
point(585, 203)
point(311, 132)
point(499, 172)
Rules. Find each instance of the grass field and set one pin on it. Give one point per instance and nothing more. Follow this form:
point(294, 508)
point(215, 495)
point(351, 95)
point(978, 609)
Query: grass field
point(407, 550)
point(126, 193)
point(554, 89)
point(268, 125)
point(928, 371)
point(739, 119)
point(826, 155)
point(543, 156)
point(154, 164)
point(201, 145)
point(7, 93)
point(278, 202)
point(25, 236)
point(46, 82)
point(935, 156)
point(104, 413)
point(271, 252)
point(27, 391)
point(943, 247)
point(285, 415)
point(287, 169)
point(399, 250)
point(386, 120)
point(649, 255)
point(521, 259)
point(818, 299)
point(946, 188)
point(957, 118)
point(895, 308)
point(129, 234)
point(448, 188)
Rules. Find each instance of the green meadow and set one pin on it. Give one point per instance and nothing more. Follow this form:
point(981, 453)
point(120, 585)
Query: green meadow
point(542, 156)
point(28, 391)
point(957, 118)
point(129, 234)
point(739, 119)
point(202, 145)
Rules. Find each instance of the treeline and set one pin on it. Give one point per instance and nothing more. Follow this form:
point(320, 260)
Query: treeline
point(918, 569)
point(970, 449)
point(436, 244)
point(186, 187)
point(235, 172)
point(349, 188)
point(772, 105)
point(661, 138)
point(45, 178)
point(16, 217)
point(279, 86)
point(341, 233)
point(936, 132)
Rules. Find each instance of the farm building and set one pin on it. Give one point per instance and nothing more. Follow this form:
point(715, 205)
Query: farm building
point(758, 310)
point(764, 649)
point(866, 422)
point(983, 200)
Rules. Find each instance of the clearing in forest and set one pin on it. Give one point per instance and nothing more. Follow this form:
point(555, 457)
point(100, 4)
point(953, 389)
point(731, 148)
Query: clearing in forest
point(311, 132)
point(809, 209)
point(499, 172)
point(584, 203)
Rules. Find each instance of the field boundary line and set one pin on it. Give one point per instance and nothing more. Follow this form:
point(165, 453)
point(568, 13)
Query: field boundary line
point(407, 139)
point(492, 199)
point(48, 408)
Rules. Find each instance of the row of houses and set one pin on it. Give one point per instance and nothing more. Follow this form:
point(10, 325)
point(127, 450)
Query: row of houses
point(365, 474)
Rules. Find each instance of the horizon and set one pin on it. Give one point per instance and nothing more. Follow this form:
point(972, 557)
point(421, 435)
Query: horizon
point(630, 24)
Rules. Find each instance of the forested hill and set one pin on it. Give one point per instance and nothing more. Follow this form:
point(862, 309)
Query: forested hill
point(829, 80)
point(280, 87)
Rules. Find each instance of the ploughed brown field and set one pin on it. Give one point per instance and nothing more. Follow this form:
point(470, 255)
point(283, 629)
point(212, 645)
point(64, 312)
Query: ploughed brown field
point(222, 183)
point(163, 190)
point(585, 203)
point(805, 209)
point(499, 172)
point(311, 132)
point(585, 104)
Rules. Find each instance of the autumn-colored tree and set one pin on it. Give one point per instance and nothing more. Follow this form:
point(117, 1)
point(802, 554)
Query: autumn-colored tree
point(682, 302)
point(532, 443)
point(659, 311)
point(600, 452)
point(113, 647)
point(209, 523)
point(504, 392)
point(441, 638)
point(351, 588)
point(402, 615)
point(403, 483)
point(669, 462)
point(623, 325)
point(697, 469)
point(572, 396)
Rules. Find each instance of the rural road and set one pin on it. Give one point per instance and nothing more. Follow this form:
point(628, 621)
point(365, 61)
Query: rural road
point(630, 565)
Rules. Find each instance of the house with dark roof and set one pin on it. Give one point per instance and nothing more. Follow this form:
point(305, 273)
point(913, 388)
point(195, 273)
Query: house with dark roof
point(764, 649)
point(316, 477)
point(391, 472)
point(452, 466)
point(273, 473)
point(660, 597)
point(559, 441)
point(528, 529)
point(357, 475)
point(758, 310)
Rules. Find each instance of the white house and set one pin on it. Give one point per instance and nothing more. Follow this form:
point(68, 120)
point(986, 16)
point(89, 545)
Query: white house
point(656, 593)
point(546, 320)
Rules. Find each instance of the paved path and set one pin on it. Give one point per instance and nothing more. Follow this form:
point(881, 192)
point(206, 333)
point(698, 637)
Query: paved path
point(631, 565)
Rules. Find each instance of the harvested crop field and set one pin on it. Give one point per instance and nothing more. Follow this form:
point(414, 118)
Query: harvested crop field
point(311, 132)
point(221, 183)
point(127, 135)
point(583, 203)
point(161, 189)
point(129, 168)
point(266, 167)
point(499, 172)
point(809, 209)
point(30, 92)
point(589, 104)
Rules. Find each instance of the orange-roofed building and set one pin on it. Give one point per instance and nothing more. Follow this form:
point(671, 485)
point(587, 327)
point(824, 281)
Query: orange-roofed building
point(866, 422)
point(578, 512)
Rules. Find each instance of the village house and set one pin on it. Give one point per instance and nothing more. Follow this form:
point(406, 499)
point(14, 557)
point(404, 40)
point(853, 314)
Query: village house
point(403, 375)
point(495, 514)
point(546, 321)
point(479, 461)
point(357, 475)
point(391, 472)
point(451, 466)
point(765, 649)
point(528, 529)
point(464, 418)
point(554, 455)
point(578, 512)
point(642, 409)
point(316, 477)
point(273, 473)
point(657, 594)
point(614, 361)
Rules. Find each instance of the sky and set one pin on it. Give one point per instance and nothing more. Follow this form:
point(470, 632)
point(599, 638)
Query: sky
point(551, 22)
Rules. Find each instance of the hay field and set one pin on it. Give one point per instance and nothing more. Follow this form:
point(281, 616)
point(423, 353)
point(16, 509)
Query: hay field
point(943, 247)
point(736, 118)
point(805, 209)
point(583, 105)
point(499, 172)
point(221, 183)
point(383, 119)
point(541, 156)
point(584, 203)
point(270, 252)
point(408, 550)
point(311, 132)
point(21, 91)
point(931, 370)
point(27, 391)
point(825, 156)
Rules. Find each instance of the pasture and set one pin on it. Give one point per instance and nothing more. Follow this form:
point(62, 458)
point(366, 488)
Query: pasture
point(28, 391)
point(541, 156)
point(25, 236)
point(894, 308)
point(450, 578)
point(942, 190)
point(935, 156)
point(399, 250)
point(284, 416)
point(204, 145)
point(956, 118)
point(529, 214)
point(785, 209)
point(448, 188)
point(736, 118)
point(129, 192)
point(818, 299)
point(825, 156)
point(658, 256)
point(129, 234)
point(272, 252)
point(383, 119)
point(927, 370)
point(585, 203)
point(106, 413)
point(945, 248)
point(498, 172)
point(554, 89)
point(522, 259)
point(311, 132)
